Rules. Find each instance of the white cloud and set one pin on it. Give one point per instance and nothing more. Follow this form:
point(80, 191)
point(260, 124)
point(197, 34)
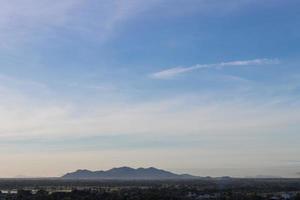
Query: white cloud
point(173, 72)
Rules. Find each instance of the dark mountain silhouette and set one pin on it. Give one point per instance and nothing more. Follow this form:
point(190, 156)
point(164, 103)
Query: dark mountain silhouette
point(127, 173)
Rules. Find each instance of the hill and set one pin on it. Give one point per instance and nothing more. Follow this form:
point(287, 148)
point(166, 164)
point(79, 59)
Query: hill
point(127, 173)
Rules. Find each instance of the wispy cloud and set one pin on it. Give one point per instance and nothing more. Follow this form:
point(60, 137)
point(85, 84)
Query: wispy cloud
point(20, 20)
point(44, 117)
point(33, 20)
point(172, 72)
point(26, 21)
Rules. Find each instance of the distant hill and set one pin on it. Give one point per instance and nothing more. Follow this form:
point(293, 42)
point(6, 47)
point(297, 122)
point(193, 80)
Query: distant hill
point(264, 177)
point(127, 173)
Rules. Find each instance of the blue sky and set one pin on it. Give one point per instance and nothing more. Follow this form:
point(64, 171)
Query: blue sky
point(208, 87)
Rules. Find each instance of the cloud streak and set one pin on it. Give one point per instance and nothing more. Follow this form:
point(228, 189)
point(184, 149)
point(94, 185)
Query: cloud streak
point(173, 72)
point(43, 117)
point(30, 21)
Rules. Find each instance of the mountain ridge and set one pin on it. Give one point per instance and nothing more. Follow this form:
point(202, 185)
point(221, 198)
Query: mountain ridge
point(127, 173)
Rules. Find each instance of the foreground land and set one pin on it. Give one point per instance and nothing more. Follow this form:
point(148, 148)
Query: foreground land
point(222, 188)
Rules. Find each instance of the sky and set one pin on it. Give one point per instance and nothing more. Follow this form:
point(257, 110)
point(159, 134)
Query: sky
point(206, 87)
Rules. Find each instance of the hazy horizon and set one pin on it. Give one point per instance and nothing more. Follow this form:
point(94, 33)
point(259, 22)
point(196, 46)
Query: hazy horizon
point(211, 172)
point(205, 87)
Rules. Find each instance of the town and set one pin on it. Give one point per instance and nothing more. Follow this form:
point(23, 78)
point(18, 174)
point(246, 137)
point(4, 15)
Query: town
point(209, 189)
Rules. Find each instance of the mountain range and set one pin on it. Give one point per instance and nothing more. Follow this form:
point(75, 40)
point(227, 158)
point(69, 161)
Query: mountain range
point(127, 173)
